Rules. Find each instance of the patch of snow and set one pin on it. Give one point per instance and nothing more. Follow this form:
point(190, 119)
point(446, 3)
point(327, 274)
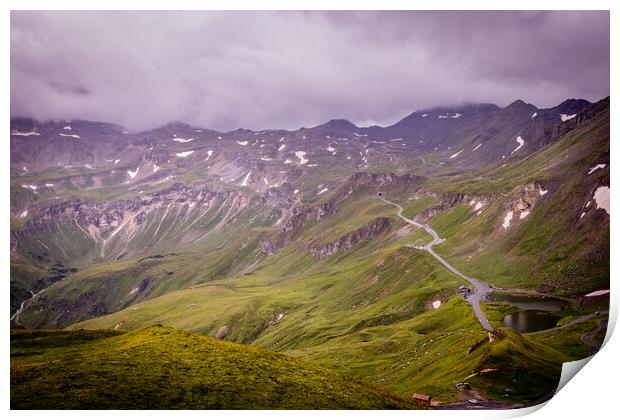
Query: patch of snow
point(300, 155)
point(456, 154)
point(75, 136)
point(521, 143)
point(266, 182)
point(348, 157)
point(67, 127)
point(601, 197)
point(281, 139)
point(209, 153)
point(21, 133)
point(133, 174)
point(330, 149)
point(295, 192)
point(542, 192)
point(312, 165)
point(457, 115)
point(287, 161)
point(565, 117)
point(478, 205)
point(244, 183)
point(198, 131)
point(597, 167)
point(24, 214)
point(588, 203)
point(182, 140)
point(219, 137)
point(582, 214)
point(524, 214)
point(185, 154)
point(322, 191)
point(31, 187)
point(133, 291)
point(436, 304)
point(424, 115)
point(116, 161)
point(476, 148)
point(266, 159)
point(598, 293)
point(155, 168)
point(243, 143)
point(49, 185)
point(534, 115)
point(507, 220)
point(282, 147)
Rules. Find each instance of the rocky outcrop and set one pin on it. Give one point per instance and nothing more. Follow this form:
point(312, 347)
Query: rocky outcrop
point(296, 218)
point(375, 183)
point(368, 232)
point(525, 198)
point(299, 216)
point(444, 201)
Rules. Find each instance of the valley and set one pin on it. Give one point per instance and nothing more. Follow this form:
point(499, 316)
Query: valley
point(389, 258)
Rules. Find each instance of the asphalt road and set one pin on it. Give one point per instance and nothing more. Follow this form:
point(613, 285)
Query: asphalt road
point(481, 289)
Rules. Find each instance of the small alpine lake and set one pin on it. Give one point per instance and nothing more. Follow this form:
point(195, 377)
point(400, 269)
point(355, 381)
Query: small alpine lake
point(537, 312)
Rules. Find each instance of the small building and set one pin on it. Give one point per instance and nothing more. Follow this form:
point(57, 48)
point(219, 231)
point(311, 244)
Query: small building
point(421, 399)
point(464, 291)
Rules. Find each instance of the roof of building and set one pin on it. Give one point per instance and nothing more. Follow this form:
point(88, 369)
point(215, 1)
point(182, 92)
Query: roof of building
point(421, 397)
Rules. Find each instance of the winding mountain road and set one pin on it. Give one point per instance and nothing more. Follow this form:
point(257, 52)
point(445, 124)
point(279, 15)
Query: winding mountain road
point(576, 321)
point(23, 305)
point(481, 289)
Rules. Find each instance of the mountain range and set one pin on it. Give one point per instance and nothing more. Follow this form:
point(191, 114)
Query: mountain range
point(284, 240)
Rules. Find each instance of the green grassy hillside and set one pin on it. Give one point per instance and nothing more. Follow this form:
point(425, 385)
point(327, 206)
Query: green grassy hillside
point(160, 367)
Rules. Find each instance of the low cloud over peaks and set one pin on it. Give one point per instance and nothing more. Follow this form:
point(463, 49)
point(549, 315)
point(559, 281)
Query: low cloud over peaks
point(226, 70)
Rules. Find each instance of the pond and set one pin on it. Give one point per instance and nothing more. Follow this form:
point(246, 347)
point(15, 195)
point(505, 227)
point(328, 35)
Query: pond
point(530, 320)
point(537, 313)
point(534, 303)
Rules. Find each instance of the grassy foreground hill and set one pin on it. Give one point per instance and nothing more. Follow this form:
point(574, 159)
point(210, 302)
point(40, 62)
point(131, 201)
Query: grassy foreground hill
point(159, 367)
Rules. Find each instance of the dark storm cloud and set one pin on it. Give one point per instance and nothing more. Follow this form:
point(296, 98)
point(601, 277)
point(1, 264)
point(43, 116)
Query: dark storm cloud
point(226, 70)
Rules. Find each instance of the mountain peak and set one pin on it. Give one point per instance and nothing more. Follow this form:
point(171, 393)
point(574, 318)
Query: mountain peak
point(338, 124)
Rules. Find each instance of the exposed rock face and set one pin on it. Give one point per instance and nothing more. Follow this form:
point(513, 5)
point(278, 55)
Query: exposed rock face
point(222, 332)
point(584, 111)
point(89, 213)
point(106, 229)
point(278, 199)
point(526, 198)
point(299, 216)
point(368, 232)
point(449, 200)
point(375, 182)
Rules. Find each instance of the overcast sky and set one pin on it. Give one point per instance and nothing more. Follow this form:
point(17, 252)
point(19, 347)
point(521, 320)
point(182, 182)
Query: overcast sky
point(226, 70)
